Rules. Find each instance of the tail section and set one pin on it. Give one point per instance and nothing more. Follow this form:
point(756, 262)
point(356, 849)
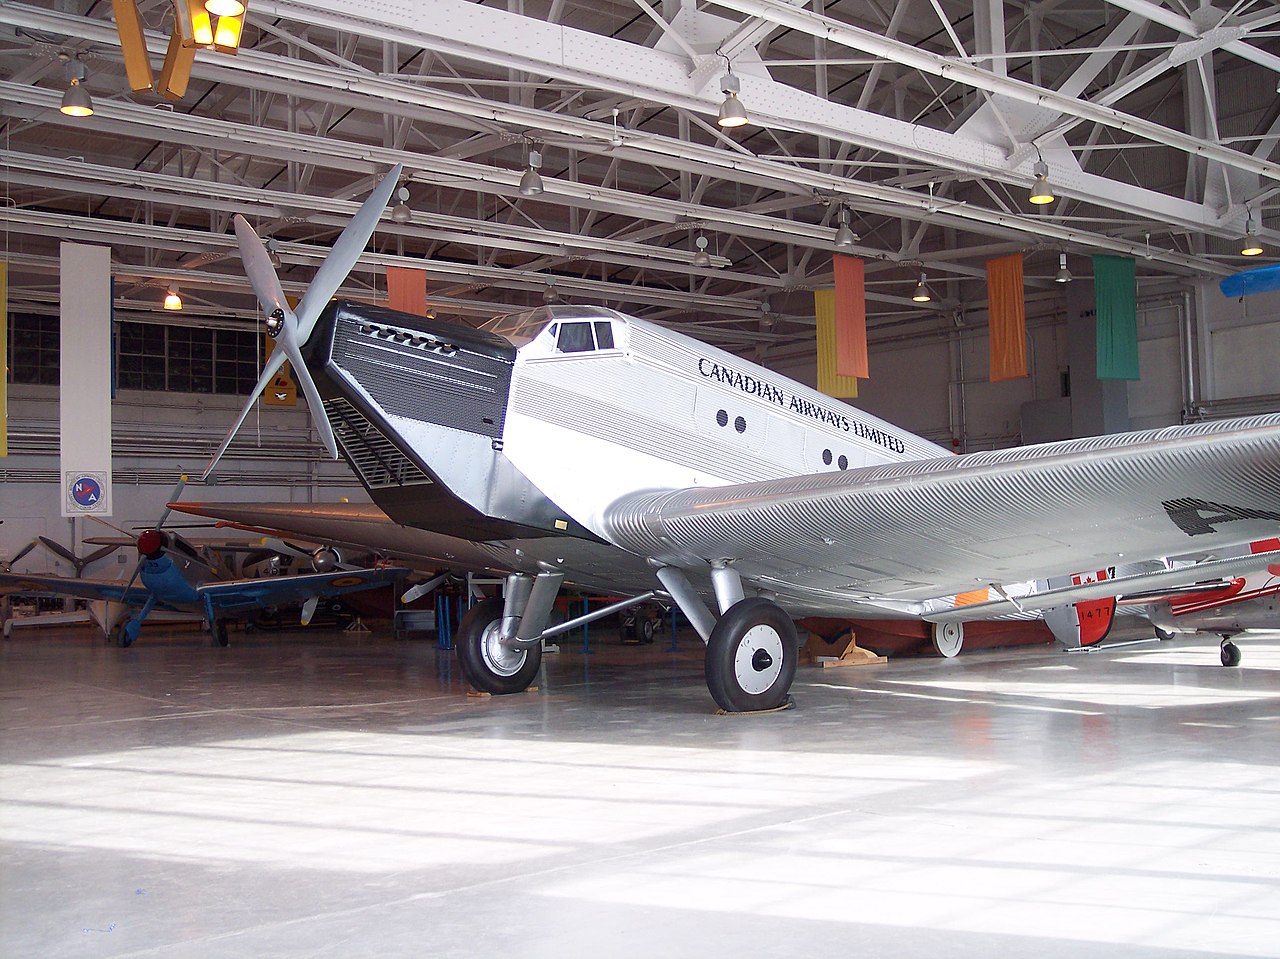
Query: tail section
point(1086, 623)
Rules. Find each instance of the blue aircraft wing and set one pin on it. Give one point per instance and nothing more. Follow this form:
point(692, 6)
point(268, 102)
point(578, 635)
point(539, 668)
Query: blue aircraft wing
point(79, 588)
point(242, 594)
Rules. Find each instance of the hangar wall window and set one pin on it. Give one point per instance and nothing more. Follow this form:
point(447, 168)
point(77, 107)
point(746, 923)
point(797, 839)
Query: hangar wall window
point(149, 356)
point(153, 356)
point(33, 349)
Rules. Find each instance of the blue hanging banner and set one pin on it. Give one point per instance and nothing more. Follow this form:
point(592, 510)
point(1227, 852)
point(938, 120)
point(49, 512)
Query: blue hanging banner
point(1265, 279)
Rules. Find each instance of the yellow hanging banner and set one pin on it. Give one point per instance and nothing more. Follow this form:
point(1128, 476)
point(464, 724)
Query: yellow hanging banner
point(829, 381)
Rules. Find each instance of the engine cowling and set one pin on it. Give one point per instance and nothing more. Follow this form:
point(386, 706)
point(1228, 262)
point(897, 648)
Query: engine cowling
point(326, 559)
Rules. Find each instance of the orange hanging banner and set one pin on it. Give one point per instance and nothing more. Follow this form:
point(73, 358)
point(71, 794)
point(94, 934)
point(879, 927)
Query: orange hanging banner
point(407, 290)
point(1007, 321)
point(851, 317)
point(829, 381)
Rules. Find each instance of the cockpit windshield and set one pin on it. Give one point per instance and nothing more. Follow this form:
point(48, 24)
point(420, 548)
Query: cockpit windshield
point(573, 330)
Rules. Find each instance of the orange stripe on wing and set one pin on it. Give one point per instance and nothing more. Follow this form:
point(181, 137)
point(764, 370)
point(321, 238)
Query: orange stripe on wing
point(973, 597)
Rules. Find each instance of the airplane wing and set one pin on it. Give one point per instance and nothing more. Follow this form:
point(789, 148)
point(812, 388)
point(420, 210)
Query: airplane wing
point(920, 530)
point(357, 525)
point(243, 594)
point(80, 588)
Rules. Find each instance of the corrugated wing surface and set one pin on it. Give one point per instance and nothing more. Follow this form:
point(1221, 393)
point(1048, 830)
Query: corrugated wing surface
point(935, 527)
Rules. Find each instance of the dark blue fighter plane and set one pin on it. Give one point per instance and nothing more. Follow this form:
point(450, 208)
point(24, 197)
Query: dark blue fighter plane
point(173, 577)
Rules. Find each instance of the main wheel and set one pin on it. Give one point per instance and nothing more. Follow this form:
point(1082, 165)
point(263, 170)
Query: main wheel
point(220, 637)
point(751, 658)
point(486, 663)
point(1229, 653)
point(948, 638)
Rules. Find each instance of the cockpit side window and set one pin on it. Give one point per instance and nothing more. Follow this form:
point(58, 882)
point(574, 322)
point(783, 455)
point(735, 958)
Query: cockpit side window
point(604, 334)
point(575, 338)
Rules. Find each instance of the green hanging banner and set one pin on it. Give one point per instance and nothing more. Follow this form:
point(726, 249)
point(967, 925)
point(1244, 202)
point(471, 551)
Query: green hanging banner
point(1115, 289)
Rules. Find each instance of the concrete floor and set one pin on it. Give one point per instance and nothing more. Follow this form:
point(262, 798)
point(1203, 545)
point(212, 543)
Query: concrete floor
point(317, 795)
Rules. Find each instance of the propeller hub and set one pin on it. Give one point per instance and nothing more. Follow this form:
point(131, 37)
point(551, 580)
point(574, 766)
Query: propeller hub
point(275, 322)
point(150, 544)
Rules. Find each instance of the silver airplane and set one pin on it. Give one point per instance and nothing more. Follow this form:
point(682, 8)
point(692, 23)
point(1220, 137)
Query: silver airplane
point(623, 456)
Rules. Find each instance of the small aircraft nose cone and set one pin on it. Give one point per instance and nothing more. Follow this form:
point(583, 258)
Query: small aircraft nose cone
point(150, 543)
point(761, 660)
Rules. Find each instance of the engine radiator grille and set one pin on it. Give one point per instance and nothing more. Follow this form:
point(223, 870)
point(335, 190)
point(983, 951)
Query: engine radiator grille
point(372, 455)
point(446, 376)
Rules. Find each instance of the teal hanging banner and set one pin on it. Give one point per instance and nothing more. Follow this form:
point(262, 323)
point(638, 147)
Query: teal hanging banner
point(1115, 287)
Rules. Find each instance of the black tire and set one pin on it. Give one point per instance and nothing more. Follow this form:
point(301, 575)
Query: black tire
point(220, 636)
point(647, 629)
point(751, 658)
point(122, 637)
point(1229, 653)
point(487, 665)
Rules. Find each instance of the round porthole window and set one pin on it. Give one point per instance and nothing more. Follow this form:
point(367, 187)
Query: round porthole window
point(826, 457)
point(722, 418)
point(740, 425)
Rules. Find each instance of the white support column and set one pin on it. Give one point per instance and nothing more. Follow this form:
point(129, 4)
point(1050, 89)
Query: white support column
point(85, 392)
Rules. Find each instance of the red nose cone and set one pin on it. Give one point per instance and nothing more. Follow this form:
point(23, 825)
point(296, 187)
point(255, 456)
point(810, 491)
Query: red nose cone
point(150, 542)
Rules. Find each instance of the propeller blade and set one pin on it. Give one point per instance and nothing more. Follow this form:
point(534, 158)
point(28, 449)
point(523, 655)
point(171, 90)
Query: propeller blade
point(417, 592)
point(136, 570)
point(8, 564)
point(346, 251)
point(59, 550)
point(98, 554)
point(269, 371)
point(314, 403)
point(309, 610)
point(257, 266)
point(173, 498)
point(99, 519)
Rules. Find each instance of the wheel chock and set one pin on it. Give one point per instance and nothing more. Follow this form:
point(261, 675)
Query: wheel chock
point(789, 704)
point(817, 652)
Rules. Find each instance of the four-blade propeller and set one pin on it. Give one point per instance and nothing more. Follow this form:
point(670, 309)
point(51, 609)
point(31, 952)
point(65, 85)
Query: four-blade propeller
point(291, 329)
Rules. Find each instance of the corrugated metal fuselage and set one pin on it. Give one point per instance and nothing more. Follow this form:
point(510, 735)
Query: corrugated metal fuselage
point(452, 430)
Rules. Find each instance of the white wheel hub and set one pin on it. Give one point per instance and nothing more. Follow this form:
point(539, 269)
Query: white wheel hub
point(948, 638)
point(757, 662)
point(501, 660)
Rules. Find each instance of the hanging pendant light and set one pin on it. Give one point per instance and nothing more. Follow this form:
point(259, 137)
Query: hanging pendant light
point(844, 235)
point(400, 213)
point(1250, 246)
point(732, 112)
point(531, 182)
point(76, 102)
point(1041, 192)
point(1063, 275)
point(701, 258)
point(921, 294)
point(172, 301)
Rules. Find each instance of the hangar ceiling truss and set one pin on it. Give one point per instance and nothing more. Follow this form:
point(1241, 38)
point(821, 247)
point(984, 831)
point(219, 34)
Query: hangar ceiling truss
point(1158, 123)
